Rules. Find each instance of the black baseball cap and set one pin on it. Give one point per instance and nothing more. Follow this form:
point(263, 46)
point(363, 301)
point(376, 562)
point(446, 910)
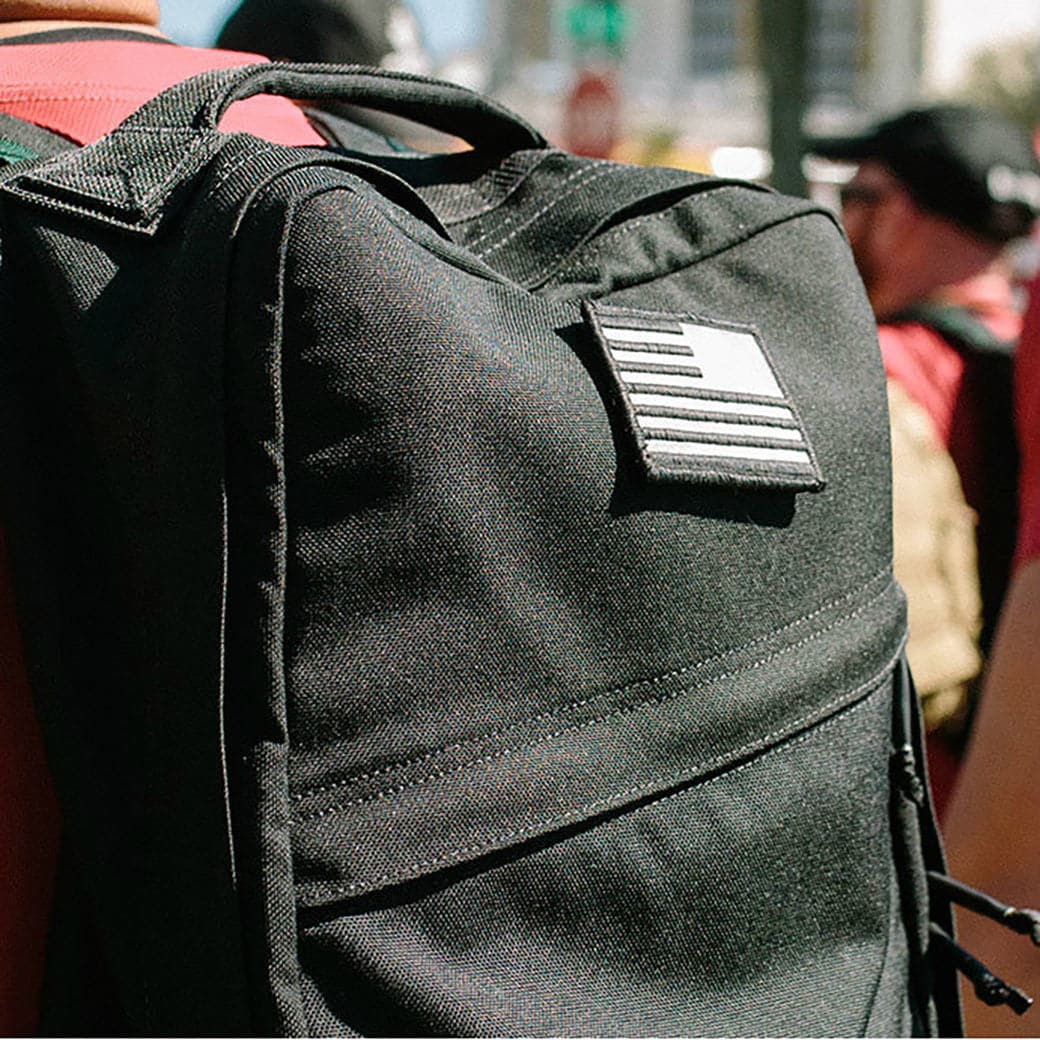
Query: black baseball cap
point(334, 31)
point(965, 163)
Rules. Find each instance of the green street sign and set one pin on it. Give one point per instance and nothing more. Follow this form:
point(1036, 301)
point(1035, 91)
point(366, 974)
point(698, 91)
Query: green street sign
point(597, 23)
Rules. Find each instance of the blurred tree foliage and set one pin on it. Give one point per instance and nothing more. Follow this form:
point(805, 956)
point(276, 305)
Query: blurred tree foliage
point(1007, 77)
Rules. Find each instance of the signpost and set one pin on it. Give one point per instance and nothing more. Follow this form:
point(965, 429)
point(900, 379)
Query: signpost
point(592, 115)
point(785, 36)
point(592, 108)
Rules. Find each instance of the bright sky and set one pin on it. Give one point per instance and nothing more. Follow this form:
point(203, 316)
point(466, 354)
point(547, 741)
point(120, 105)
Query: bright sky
point(958, 28)
point(448, 25)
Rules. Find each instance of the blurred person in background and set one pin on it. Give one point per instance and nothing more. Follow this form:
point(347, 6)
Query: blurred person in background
point(937, 195)
point(352, 32)
point(992, 834)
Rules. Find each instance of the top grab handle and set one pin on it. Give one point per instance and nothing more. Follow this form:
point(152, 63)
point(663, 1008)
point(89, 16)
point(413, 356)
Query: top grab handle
point(128, 177)
point(200, 102)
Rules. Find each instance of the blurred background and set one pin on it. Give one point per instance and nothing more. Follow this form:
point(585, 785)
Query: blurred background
point(722, 86)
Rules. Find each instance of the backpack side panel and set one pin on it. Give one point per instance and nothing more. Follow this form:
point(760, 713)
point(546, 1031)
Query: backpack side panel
point(115, 515)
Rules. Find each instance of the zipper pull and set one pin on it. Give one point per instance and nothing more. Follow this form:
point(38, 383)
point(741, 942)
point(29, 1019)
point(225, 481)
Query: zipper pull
point(989, 988)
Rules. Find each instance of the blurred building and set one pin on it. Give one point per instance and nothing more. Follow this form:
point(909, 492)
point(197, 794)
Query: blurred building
point(689, 69)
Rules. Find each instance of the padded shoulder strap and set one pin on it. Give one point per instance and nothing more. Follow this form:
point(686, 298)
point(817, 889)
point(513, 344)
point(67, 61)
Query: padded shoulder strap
point(989, 394)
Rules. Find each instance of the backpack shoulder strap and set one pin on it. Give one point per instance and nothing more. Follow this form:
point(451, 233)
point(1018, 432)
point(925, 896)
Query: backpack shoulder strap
point(959, 325)
point(989, 362)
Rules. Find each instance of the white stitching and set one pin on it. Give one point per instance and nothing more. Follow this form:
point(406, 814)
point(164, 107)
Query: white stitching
point(243, 160)
point(592, 175)
point(584, 702)
point(392, 792)
point(492, 231)
point(647, 786)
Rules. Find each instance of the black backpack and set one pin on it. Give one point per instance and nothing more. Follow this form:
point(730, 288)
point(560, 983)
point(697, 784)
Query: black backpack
point(457, 590)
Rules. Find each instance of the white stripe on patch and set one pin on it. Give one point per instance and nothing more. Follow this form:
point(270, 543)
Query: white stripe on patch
point(731, 360)
point(623, 357)
point(662, 379)
point(729, 451)
point(700, 404)
point(706, 426)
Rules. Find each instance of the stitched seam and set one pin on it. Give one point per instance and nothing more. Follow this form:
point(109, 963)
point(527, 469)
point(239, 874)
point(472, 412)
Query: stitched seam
point(584, 702)
point(21, 94)
point(393, 792)
point(546, 270)
point(608, 236)
point(134, 224)
point(597, 247)
point(886, 954)
point(161, 131)
point(491, 232)
point(583, 182)
point(243, 160)
point(96, 84)
point(724, 247)
point(185, 160)
point(492, 200)
point(138, 206)
point(485, 844)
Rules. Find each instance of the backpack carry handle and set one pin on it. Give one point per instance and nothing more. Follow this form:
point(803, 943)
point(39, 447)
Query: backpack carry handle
point(201, 101)
point(128, 178)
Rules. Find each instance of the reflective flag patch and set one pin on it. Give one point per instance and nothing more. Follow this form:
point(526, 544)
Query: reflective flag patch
point(701, 402)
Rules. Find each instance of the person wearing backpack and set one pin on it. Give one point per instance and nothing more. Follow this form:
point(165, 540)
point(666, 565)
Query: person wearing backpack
point(937, 195)
point(457, 590)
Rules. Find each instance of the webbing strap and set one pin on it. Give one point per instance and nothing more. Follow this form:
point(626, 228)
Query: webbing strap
point(20, 141)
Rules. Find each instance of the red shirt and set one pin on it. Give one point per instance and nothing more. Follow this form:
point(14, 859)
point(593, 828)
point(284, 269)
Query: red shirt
point(931, 370)
point(80, 88)
point(85, 88)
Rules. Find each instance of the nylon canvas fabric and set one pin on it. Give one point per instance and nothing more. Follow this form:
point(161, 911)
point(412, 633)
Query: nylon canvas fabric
point(426, 708)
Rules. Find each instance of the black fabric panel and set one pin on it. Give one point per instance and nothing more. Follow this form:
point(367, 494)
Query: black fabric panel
point(757, 902)
point(114, 514)
point(449, 528)
point(455, 439)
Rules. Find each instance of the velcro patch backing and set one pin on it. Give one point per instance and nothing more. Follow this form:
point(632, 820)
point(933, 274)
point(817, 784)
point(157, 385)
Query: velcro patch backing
point(701, 402)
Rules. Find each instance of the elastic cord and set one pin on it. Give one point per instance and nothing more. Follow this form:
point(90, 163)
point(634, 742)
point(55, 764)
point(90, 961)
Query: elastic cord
point(1024, 922)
